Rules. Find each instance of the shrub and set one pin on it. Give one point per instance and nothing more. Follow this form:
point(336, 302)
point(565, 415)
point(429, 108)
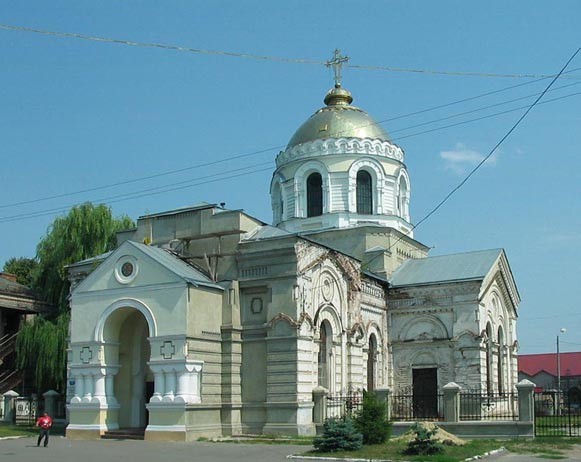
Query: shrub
point(338, 435)
point(424, 442)
point(372, 421)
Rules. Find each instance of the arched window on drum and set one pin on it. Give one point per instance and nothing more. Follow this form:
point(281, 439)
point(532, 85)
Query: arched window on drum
point(364, 193)
point(314, 195)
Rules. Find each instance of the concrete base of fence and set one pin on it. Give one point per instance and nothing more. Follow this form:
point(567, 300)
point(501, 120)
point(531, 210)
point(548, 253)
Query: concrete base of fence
point(478, 429)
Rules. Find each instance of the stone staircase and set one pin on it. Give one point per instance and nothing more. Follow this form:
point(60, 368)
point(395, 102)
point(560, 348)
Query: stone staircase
point(125, 434)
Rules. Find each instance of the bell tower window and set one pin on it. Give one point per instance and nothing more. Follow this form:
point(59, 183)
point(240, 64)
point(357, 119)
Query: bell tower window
point(364, 193)
point(314, 195)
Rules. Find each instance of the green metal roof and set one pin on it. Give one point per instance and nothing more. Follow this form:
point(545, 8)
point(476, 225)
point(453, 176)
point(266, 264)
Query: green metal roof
point(445, 268)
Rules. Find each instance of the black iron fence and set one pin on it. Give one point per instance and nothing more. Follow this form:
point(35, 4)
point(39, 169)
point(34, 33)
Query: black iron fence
point(488, 406)
point(346, 404)
point(556, 415)
point(28, 409)
point(410, 407)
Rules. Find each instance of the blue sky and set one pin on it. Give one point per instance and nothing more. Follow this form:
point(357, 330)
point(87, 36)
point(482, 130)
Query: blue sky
point(78, 114)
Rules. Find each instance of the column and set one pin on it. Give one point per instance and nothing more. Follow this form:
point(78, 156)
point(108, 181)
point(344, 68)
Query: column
point(451, 402)
point(88, 387)
point(170, 385)
point(100, 393)
point(384, 394)
point(188, 386)
point(526, 402)
point(183, 391)
point(50, 398)
point(320, 405)
point(79, 388)
point(9, 399)
point(109, 387)
point(159, 386)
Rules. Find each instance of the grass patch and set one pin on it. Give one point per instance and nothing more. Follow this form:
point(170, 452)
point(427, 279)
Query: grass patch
point(13, 430)
point(394, 450)
point(24, 430)
point(544, 448)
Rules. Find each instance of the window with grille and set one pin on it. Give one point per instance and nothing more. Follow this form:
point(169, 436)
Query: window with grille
point(314, 195)
point(364, 193)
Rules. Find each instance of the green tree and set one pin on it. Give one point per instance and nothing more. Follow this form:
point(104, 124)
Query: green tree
point(41, 352)
point(338, 435)
point(23, 268)
point(86, 231)
point(372, 420)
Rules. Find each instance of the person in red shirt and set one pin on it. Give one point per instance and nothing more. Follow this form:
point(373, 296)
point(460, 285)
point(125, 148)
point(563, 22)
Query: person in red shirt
point(44, 422)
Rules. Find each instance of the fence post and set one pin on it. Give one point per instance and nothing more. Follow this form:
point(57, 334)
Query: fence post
point(526, 401)
point(451, 402)
point(320, 407)
point(50, 398)
point(384, 394)
point(9, 400)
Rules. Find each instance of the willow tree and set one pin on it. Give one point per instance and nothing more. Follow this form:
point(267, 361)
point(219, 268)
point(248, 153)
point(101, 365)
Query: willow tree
point(86, 231)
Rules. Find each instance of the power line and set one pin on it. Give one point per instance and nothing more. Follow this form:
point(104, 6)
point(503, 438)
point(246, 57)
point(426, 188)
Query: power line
point(459, 114)
point(262, 151)
point(256, 57)
point(163, 46)
point(450, 73)
point(481, 163)
point(488, 116)
point(139, 194)
point(497, 145)
point(161, 190)
point(143, 178)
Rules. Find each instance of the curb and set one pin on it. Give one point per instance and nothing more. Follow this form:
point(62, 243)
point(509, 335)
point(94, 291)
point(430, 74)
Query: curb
point(345, 459)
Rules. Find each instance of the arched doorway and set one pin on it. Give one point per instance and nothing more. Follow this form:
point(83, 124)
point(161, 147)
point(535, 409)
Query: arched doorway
point(126, 330)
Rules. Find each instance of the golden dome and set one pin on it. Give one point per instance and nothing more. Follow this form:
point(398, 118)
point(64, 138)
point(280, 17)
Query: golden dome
point(338, 119)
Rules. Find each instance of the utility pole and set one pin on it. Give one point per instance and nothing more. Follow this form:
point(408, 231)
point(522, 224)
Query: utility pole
point(563, 330)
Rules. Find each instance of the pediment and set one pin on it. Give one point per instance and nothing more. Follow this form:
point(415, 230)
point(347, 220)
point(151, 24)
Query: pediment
point(501, 275)
point(126, 268)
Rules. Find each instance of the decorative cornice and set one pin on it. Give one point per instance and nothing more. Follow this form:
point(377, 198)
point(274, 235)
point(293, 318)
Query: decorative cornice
point(331, 146)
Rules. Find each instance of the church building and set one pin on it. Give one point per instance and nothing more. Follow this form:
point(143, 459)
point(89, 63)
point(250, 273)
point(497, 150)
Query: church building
point(206, 321)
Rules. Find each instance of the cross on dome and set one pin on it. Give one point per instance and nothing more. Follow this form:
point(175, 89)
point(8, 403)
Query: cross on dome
point(337, 63)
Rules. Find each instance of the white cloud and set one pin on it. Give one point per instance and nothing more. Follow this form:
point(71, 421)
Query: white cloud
point(461, 159)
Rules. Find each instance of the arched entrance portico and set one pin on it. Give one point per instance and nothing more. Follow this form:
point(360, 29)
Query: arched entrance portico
point(128, 329)
point(124, 329)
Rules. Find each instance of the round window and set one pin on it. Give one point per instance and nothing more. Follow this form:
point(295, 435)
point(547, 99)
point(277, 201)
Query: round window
point(127, 269)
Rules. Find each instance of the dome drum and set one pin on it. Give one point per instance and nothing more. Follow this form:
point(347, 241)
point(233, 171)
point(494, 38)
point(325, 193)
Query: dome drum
point(339, 170)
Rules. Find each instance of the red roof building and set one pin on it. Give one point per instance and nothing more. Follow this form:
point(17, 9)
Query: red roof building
point(541, 369)
point(531, 365)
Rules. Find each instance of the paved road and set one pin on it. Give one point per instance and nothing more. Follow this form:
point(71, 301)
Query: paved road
point(63, 450)
point(572, 456)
